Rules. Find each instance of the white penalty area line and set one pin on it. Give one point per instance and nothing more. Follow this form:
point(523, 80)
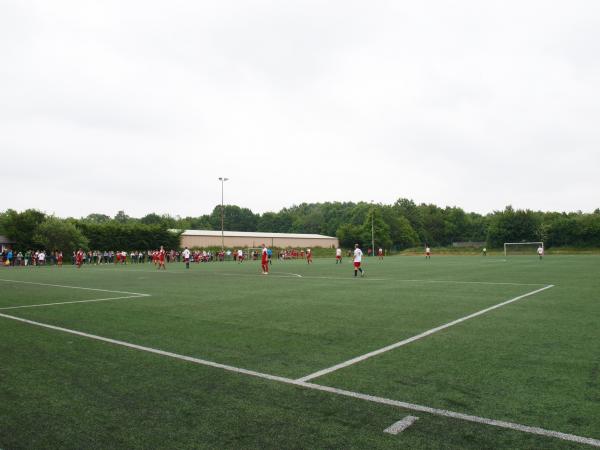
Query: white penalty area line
point(73, 287)
point(417, 337)
point(131, 296)
point(76, 301)
point(332, 390)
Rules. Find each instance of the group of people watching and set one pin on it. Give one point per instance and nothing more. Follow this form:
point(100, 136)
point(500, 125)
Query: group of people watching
point(29, 258)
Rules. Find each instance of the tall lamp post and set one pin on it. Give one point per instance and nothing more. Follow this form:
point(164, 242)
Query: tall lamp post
point(222, 180)
point(372, 230)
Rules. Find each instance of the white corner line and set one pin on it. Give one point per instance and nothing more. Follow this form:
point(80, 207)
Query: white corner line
point(401, 425)
point(71, 287)
point(357, 395)
point(417, 337)
point(75, 301)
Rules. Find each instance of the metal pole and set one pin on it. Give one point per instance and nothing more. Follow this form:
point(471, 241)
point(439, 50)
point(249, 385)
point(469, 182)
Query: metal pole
point(222, 180)
point(372, 230)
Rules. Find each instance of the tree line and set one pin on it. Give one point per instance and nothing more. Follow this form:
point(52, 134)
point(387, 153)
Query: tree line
point(396, 226)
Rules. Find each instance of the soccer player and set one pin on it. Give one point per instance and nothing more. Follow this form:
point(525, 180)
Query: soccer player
point(264, 260)
point(357, 260)
point(186, 257)
point(240, 255)
point(380, 254)
point(540, 251)
point(484, 251)
point(59, 258)
point(161, 258)
point(338, 255)
point(79, 258)
point(308, 255)
point(427, 252)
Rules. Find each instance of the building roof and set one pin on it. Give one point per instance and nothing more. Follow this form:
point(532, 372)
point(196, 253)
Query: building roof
point(253, 234)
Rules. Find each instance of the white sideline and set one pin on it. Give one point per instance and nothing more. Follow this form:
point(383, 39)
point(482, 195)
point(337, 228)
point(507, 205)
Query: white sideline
point(75, 301)
point(401, 425)
point(72, 287)
point(417, 337)
point(370, 398)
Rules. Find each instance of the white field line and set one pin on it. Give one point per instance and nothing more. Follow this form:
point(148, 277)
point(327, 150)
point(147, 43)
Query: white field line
point(401, 425)
point(294, 275)
point(357, 395)
point(417, 337)
point(72, 287)
point(75, 301)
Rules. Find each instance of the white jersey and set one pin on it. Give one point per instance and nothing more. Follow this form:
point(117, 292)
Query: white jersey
point(240, 253)
point(338, 252)
point(186, 254)
point(427, 250)
point(357, 255)
point(540, 251)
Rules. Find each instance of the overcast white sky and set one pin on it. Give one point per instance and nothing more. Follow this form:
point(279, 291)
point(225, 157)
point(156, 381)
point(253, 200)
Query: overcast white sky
point(141, 105)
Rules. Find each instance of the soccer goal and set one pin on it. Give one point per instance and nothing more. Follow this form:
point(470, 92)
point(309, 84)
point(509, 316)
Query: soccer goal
point(522, 248)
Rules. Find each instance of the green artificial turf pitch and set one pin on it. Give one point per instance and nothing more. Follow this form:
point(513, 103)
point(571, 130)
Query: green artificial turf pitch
point(534, 362)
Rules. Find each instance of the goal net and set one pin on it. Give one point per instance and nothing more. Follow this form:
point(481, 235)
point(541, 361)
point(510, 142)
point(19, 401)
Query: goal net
point(522, 248)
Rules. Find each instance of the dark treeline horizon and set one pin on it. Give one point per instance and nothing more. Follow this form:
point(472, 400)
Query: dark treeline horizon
point(396, 226)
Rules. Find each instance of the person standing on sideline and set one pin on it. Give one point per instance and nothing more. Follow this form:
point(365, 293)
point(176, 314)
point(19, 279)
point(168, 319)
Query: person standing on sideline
point(338, 255)
point(186, 257)
point(308, 255)
point(270, 255)
point(380, 253)
point(264, 260)
point(540, 251)
point(427, 252)
point(484, 251)
point(357, 261)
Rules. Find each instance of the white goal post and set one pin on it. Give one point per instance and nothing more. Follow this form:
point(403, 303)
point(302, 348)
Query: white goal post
point(507, 244)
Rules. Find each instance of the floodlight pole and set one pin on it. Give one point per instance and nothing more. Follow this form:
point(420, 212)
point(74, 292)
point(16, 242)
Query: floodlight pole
point(222, 180)
point(372, 230)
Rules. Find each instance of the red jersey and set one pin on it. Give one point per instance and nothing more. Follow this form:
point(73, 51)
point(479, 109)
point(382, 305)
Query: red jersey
point(161, 255)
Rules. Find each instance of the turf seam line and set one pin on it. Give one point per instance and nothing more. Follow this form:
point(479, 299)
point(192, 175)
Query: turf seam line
point(381, 400)
point(72, 287)
point(404, 342)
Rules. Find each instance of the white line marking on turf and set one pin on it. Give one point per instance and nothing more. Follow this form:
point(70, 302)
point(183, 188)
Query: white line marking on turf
point(401, 425)
point(72, 287)
point(417, 337)
point(287, 273)
point(75, 301)
point(318, 387)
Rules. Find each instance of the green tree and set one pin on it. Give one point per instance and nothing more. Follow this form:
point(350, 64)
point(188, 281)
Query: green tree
point(513, 225)
point(349, 234)
point(56, 234)
point(21, 227)
point(97, 218)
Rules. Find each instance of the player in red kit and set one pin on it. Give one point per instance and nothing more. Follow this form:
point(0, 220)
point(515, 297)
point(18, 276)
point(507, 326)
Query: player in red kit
point(79, 258)
point(308, 255)
point(264, 260)
point(161, 258)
